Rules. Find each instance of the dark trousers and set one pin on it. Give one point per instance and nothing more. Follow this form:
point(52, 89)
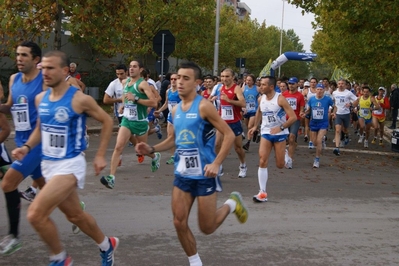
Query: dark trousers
point(394, 117)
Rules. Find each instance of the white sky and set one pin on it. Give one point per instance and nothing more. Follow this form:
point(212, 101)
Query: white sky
point(272, 11)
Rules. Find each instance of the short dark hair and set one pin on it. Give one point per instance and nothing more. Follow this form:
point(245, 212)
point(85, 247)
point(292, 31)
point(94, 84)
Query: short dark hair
point(272, 80)
point(194, 67)
point(34, 48)
point(121, 67)
point(139, 62)
point(63, 56)
point(252, 77)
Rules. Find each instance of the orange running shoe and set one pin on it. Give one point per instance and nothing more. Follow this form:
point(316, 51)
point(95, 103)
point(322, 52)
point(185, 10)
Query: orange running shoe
point(261, 197)
point(140, 158)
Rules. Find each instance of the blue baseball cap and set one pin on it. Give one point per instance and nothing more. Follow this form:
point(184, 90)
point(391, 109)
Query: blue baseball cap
point(293, 80)
point(320, 85)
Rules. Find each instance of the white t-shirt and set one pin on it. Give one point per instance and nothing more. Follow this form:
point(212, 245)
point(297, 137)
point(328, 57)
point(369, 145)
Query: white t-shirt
point(151, 82)
point(342, 98)
point(115, 90)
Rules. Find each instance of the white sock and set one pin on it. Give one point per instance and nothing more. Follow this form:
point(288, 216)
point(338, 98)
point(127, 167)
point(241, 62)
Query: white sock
point(262, 178)
point(232, 204)
point(155, 157)
point(104, 246)
point(59, 257)
point(195, 260)
point(33, 189)
point(243, 165)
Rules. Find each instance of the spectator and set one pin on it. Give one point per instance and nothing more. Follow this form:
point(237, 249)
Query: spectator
point(394, 102)
point(72, 71)
point(164, 87)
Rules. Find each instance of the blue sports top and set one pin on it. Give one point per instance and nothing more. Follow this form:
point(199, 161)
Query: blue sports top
point(319, 108)
point(23, 110)
point(194, 140)
point(251, 99)
point(63, 129)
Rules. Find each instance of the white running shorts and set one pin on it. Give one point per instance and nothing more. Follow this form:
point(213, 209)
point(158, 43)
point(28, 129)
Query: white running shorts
point(75, 166)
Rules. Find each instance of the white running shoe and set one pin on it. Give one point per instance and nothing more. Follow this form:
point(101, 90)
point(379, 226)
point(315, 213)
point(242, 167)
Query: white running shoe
point(366, 143)
point(360, 139)
point(243, 172)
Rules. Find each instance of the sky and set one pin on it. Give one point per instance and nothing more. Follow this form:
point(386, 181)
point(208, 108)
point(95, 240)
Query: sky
point(272, 11)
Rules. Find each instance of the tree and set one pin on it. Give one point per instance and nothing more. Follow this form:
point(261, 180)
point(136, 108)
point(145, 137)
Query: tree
point(359, 36)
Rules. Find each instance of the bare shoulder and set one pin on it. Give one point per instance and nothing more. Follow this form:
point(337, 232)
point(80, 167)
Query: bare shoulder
point(12, 78)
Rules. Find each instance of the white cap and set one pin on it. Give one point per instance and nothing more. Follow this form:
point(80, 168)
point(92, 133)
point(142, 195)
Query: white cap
point(307, 83)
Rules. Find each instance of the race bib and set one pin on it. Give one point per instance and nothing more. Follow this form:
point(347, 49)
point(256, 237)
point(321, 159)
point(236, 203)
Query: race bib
point(171, 105)
point(317, 113)
point(270, 119)
point(251, 107)
point(292, 102)
point(364, 112)
point(130, 112)
point(378, 112)
point(20, 116)
point(54, 140)
point(189, 162)
point(227, 112)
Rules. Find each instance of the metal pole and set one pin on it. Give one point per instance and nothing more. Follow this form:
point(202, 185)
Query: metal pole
point(281, 37)
point(163, 51)
point(216, 52)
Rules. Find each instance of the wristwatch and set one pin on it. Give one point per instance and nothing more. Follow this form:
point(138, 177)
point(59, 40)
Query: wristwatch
point(136, 98)
point(282, 128)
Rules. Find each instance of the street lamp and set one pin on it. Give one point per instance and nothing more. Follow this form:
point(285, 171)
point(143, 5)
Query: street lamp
point(281, 37)
point(216, 52)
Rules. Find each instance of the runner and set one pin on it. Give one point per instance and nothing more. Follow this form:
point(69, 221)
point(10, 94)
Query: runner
point(379, 115)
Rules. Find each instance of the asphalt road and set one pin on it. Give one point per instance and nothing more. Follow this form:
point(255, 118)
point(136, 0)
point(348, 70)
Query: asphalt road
point(344, 213)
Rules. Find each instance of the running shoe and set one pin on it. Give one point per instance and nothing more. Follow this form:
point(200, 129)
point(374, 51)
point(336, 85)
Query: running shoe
point(243, 135)
point(75, 228)
point(140, 158)
point(130, 144)
point(155, 163)
point(346, 141)
point(158, 131)
point(255, 135)
point(336, 152)
point(258, 138)
point(108, 256)
point(246, 146)
point(366, 144)
point(241, 211)
point(108, 181)
point(67, 262)
point(260, 197)
point(323, 144)
point(9, 244)
point(306, 138)
point(311, 146)
point(316, 163)
point(243, 172)
point(171, 160)
point(341, 144)
point(374, 141)
point(28, 194)
point(288, 164)
point(360, 139)
point(380, 142)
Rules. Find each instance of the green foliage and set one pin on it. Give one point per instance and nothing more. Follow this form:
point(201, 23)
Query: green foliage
point(359, 36)
point(128, 27)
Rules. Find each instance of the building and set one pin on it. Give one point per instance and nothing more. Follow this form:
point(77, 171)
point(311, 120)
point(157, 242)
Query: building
point(242, 9)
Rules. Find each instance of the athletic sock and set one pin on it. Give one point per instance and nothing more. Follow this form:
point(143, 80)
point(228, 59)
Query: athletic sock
point(14, 208)
point(59, 257)
point(262, 178)
point(232, 204)
point(195, 260)
point(104, 246)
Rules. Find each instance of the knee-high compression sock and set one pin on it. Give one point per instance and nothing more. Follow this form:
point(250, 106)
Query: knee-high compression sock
point(13, 207)
point(262, 178)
